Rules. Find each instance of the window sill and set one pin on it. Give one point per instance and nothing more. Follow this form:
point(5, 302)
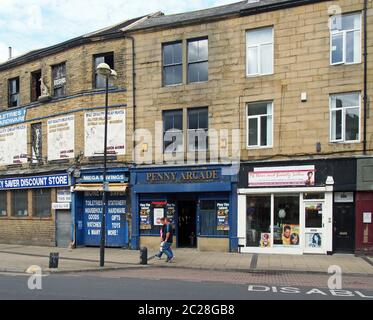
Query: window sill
point(344, 142)
point(258, 148)
point(345, 64)
point(249, 76)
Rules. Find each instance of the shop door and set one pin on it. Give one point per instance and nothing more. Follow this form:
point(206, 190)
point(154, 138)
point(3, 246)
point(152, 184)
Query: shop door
point(116, 224)
point(187, 224)
point(344, 228)
point(63, 229)
point(314, 227)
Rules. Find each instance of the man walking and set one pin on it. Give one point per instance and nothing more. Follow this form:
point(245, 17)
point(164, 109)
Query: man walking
point(169, 238)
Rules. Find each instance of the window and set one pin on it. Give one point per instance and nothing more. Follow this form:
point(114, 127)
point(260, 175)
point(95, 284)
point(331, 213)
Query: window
point(172, 64)
point(3, 204)
point(14, 100)
point(108, 58)
point(258, 230)
point(198, 128)
point(345, 117)
point(36, 143)
point(41, 203)
point(35, 85)
point(214, 218)
point(198, 65)
point(345, 39)
point(260, 51)
point(259, 124)
point(59, 80)
point(20, 203)
point(173, 131)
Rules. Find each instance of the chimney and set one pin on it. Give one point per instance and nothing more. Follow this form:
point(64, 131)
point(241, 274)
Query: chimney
point(10, 53)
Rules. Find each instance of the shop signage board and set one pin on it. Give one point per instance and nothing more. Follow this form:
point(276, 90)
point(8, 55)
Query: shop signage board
point(95, 130)
point(116, 222)
point(61, 206)
point(282, 176)
point(13, 145)
point(12, 117)
point(61, 135)
point(97, 178)
point(187, 176)
point(39, 182)
point(63, 196)
point(223, 216)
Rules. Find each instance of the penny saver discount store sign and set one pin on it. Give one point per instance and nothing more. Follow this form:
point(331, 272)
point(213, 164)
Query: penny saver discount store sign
point(54, 181)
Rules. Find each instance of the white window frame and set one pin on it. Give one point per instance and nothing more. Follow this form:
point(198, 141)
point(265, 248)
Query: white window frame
point(259, 47)
point(344, 109)
point(259, 117)
point(344, 35)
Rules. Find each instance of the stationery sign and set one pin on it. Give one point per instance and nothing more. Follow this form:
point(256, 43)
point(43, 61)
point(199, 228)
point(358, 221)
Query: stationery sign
point(12, 117)
point(282, 176)
point(41, 182)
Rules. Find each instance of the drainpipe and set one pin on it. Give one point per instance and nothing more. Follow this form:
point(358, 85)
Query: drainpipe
point(365, 74)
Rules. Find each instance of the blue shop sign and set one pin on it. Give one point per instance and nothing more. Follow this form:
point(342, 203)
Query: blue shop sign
point(99, 178)
point(12, 117)
point(39, 182)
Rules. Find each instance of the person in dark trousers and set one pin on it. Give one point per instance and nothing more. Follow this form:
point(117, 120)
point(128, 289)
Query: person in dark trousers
point(169, 236)
point(163, 238)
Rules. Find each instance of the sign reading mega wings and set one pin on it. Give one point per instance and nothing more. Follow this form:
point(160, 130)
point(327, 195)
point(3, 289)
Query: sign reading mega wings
point(61, 135)
point(13, 145)
point(282, 176)
point(95, 130)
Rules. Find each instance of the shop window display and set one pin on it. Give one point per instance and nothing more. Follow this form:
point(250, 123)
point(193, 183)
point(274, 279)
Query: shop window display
point(259, 221)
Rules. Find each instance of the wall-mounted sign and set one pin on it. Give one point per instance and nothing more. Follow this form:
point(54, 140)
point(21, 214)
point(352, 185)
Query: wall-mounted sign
point(61, 206)
point(12, 117)
point(13, 145)
point(63, 196)
point(282, 176)
point(223, 216)
point(95, 129)
point(344, 197)
point(61, 135)
point(189, 176)
point(367, 217)
point(40, 182)
point(97, 178)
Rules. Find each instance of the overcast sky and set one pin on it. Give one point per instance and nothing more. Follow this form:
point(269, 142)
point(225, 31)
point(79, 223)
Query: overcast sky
point(30, 24)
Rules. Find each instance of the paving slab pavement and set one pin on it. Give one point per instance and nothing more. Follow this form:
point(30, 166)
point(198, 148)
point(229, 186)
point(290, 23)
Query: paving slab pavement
point(19, 258)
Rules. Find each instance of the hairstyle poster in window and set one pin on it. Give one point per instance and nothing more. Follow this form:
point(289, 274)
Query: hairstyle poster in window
point(145, 222)
point(223, 216)
point(290, 235)
point(265, 240)
point(314, 240)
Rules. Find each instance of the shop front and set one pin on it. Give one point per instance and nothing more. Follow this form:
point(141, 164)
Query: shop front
point(30, 208)
point(287, 207)
point(198, 201)
point(88, 205)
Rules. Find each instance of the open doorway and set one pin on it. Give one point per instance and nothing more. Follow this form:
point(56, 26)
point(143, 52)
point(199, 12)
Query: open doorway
point(187, 224)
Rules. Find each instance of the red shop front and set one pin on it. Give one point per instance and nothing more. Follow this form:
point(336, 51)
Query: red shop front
point(364, 225)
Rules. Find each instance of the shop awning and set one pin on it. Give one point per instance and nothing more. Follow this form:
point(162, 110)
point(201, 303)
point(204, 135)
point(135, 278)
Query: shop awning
point(113, 187)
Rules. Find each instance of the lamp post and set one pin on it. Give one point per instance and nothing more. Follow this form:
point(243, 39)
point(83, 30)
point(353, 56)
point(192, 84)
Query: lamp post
point(104, 70)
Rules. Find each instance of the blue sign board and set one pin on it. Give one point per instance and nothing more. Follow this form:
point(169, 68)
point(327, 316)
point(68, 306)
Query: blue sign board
point(9, 118)
point(98, 178)
point(40, 182)
point(116, 222)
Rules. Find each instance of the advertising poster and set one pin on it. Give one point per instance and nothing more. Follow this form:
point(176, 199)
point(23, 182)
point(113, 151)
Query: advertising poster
point(171, 211)
point(13, 145)
point(223, 216)
point(145, 223)
point(158, 215)
point(61, 135)
point(314, 240)
point(95, 130)
point(265, 240)
point(287, 235)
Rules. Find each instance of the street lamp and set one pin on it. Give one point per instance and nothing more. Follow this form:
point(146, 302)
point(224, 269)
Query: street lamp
point(104, 70)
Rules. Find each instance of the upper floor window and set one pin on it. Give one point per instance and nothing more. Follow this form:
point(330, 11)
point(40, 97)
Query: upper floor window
point(172, 64)
point(173, 131)
point(345, 39)
point(198, 129)
point(35, 85)
point(198, 56)
point(260, 51)
point(59, 80)
point(108, 58)
point(345, 117)
point(260, 125)
point(14, 100)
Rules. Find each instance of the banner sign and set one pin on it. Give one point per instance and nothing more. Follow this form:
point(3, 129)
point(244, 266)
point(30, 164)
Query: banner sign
point(95, 132)
point(98, 178)
point(12, 117)
point(188, 176)
point(223, 216)
point(13, 145)
point(61, 135)
point(41, 182)
point(282, 176)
